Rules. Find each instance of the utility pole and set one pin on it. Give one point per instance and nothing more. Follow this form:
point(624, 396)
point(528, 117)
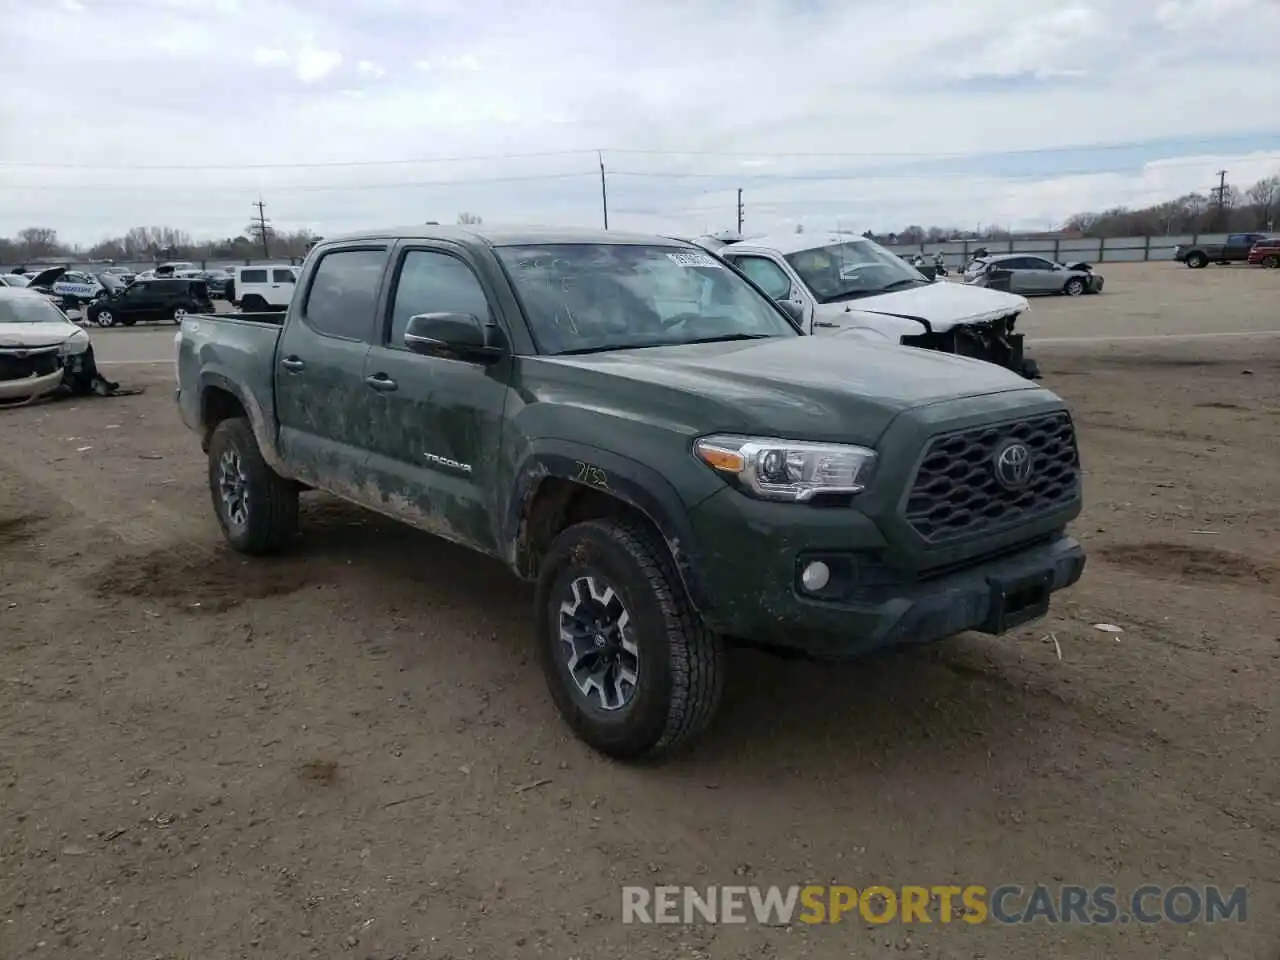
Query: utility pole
point(261, 220)
point(604, 190)
point(739, 211)
point(1221, 191)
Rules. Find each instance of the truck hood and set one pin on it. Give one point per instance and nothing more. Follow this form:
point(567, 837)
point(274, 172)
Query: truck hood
point(795, 387)
point(937, 307)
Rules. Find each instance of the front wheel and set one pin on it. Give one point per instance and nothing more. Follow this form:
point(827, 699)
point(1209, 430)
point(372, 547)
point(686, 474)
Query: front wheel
point(627, 659)
point(1272, 261)
point(1074, 287)
point(105, 318)
point(179, 314)
point(256, 507)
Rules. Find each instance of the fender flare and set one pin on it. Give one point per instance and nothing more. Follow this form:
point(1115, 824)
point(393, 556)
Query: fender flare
point(257, 417)
point(639, 486)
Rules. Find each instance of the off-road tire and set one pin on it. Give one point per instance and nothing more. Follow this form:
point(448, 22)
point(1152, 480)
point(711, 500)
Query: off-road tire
point(681, 662)
point(1074, 287)
point(253, 304)
point(272, 511)
point(1197, 260)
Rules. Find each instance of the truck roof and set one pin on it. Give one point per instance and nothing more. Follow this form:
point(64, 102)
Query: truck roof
point(504, 236)
point(786, 243)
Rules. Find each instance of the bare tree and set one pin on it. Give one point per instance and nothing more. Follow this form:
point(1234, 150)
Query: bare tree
point(1264, 198)
point(469, 219)
point(38, 242)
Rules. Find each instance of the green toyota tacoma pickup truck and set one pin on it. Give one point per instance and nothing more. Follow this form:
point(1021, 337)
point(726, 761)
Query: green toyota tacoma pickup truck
point(643, 432)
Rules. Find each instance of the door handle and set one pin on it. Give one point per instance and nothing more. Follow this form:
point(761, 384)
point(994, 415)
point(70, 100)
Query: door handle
point(292, 364)
point(380, 381)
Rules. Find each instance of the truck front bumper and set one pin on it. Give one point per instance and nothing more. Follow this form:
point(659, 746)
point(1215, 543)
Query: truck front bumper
point(757, 594)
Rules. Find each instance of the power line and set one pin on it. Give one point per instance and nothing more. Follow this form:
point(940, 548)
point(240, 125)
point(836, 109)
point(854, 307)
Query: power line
point(632, 151)
point(778, 178)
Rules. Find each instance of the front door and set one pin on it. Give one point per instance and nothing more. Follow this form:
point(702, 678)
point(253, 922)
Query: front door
point(322, 403)
point(1041, 275)
point(282, 284)
point(777, 281)
point(437, 420)
point(139, 302)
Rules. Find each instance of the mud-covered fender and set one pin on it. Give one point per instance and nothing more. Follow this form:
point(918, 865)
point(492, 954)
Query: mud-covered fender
point(635, 484)
point(263, 431)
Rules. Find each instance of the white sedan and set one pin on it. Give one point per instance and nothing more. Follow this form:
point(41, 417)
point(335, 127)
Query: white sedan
point(40, 349)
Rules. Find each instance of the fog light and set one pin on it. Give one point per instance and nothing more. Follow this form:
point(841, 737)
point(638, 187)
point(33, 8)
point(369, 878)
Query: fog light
point(815, 576)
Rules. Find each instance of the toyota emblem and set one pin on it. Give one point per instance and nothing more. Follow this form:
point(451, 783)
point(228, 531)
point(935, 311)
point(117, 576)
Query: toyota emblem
point(1013, 464)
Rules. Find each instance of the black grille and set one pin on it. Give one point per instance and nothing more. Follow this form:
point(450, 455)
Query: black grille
point(956, 494)
point(13, 367)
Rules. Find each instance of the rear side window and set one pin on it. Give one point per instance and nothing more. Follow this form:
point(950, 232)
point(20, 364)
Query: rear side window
point(253, 276)
point(282, 276)
point(344, 293)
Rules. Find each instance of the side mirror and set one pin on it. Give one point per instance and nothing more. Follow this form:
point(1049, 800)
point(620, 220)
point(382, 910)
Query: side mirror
point(792, 310)
point(463, 334)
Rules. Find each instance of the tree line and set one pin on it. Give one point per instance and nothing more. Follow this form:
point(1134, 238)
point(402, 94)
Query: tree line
point(169, 243)
point(1241, 211)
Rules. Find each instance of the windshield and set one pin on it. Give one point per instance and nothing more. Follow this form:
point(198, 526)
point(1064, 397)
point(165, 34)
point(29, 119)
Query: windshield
point(16, 280)
point(590, 297)
point(853, 268)
point(29, 309)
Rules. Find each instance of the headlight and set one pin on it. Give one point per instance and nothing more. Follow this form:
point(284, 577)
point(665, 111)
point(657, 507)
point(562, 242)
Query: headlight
point(793, 470)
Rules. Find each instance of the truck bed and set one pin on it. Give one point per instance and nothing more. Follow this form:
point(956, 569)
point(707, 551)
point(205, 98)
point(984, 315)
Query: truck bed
point(231, 351)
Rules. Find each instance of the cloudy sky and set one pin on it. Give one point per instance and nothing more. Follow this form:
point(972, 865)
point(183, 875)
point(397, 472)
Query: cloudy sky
point(856, 113)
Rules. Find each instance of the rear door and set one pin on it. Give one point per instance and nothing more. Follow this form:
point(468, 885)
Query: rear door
point(322, 404)
point(436, 420)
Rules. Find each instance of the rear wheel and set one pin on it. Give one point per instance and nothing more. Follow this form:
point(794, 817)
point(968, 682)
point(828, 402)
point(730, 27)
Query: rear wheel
point(253, 304)
point(1271, 260)
point(1197, 260)
point(179, 314)
point(627, 659)
point(1074, 287)
point(256, 507)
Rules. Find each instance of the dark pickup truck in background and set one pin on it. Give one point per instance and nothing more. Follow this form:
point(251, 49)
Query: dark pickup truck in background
point(647, 435)
point(1234, 250)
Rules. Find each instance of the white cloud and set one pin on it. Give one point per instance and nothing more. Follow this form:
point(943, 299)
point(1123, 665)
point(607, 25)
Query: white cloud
point(313, 63)
point(689, 101)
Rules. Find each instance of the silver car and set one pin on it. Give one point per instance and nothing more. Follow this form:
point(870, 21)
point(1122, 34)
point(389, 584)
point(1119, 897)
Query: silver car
point(1031, 275)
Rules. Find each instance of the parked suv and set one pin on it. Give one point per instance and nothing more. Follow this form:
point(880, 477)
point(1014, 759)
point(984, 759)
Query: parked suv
point(160, 299)
point(264, 288)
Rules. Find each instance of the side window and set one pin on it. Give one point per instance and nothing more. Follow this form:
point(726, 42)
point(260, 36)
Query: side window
point(434, 283)
point(253, 276)
point(282, 276)
point(344, 293)
point(1013, 263)
point(769, 277)
point(1036, 263)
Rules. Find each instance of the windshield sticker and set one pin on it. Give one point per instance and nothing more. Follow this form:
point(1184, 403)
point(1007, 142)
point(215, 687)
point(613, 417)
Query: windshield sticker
point(692, 259)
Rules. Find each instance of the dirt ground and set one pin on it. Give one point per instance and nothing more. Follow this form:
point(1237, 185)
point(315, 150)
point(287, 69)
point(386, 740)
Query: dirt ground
point(349, 752)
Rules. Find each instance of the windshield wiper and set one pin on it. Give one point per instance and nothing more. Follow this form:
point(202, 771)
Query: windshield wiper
point(899, 284)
